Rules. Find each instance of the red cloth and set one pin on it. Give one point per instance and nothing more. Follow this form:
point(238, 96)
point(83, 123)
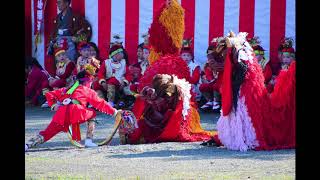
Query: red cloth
point(113, 81)
point(134, 72)
point(134, 88)
point(128, 76)
point(195, 76)
point(272, 115)
point(96, 86)
point(208, 73)
point(177, 66)
point(267, 72)
point(68, 71)
point(213, 86)
point(62, 81)
point(176, 129)
point(76, 113)
point(53, 129)
point(226, 93)
point(37, 80)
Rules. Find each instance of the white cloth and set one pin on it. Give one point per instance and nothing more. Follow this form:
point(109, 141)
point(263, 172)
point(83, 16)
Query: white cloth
point(119, 72)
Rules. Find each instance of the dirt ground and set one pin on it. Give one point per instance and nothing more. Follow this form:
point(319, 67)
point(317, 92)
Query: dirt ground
point(58, 159)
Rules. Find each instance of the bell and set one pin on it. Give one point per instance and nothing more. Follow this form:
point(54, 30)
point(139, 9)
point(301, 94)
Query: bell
point(66, 101)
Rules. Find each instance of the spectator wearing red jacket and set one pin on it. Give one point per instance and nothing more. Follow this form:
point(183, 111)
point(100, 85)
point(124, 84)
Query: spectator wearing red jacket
point(37, 80)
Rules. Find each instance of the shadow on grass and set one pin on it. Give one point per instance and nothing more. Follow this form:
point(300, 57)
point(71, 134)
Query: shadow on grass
point(66, 145)
point(210, 153)
point(50, 149)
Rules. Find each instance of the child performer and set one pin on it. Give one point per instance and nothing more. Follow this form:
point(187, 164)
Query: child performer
point(72, 111)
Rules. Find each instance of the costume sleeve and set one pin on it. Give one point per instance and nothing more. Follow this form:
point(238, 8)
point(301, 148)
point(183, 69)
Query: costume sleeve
point(195, 77)
point(267, 73)
point(128, 75)
point(99, 103)
point(102, 73)
point(33, 79)
point(209, 74)
point(68, 71)
point(52, 96)
point(217, 84)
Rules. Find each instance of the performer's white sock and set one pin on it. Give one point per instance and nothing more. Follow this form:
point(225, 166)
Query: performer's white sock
point(88, 143)
point(111, 103)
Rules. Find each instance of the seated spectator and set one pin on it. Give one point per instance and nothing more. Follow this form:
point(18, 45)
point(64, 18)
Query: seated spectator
point(87, 62)
point(37, 81)
point(118, 40)
point(112, 74)
point(94, 57)
point(84, 50)
point(210, 87)
point(137, 70)
point(94, 54)
point(187, 55)
point(286, 57)
point(70, 26)
point(259, 54)
point(64, 68)
point(208, 78)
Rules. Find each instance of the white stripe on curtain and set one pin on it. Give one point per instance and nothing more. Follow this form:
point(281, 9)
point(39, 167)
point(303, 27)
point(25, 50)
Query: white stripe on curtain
point(145, 17)
point(231, 16)
point(91, 12)
point(291, 20)
point(201, 30)
point(262, 24)
point(118, 10)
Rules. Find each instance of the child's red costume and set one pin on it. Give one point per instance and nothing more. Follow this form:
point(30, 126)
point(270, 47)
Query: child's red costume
point(214, 84)
point(64, 70)
point(74, 113)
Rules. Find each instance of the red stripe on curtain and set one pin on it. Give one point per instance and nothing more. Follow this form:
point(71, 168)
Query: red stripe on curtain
point(157, 5)
point(246, 17)
point(104, 27)
point(132, 29)
point(50, 14)
point(78, 7)
point(27, 28)
point(277, 29)
point(189, 19)
point(216, 19)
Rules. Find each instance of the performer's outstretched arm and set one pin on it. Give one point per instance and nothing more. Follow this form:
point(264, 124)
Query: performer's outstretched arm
point(51, 97)
point(99, 103)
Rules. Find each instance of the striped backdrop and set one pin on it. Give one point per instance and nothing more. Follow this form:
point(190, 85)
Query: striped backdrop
point(204, 19)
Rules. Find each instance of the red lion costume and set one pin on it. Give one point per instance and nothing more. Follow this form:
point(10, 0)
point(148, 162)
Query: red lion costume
point(164, 109)
point(252, 118)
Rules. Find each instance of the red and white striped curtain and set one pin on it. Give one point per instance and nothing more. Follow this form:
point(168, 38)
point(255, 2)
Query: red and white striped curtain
point(204, 19)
